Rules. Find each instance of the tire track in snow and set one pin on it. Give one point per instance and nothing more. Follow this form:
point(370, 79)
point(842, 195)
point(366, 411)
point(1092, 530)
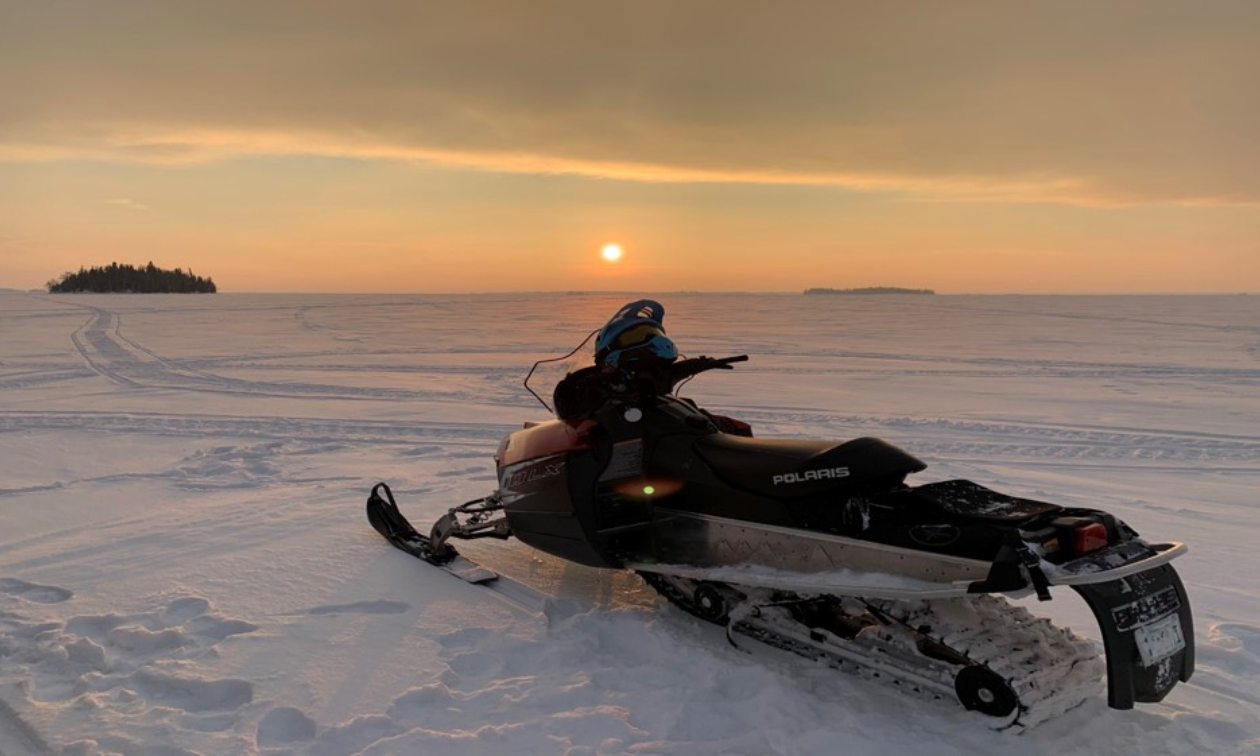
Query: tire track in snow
point(307, 429)
point(123, 361)
point(98, 350)
point(941, 438)
point(43, 376)
point(933, 435)
point(1042, 443)
point(16, 736)
point(941, 366)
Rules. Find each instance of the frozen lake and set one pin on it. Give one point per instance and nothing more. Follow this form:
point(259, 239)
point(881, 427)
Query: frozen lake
point(185, 566)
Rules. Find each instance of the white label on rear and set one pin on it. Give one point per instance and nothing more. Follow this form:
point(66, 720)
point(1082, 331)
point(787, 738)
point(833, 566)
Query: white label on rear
point(1159, 640)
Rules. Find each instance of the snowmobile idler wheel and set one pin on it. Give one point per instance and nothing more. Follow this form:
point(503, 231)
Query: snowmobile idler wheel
point(710, 604)
point(983, 690)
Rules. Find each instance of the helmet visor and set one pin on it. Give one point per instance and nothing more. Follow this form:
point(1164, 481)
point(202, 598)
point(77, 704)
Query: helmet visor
point(637, 334)
point(657, 348)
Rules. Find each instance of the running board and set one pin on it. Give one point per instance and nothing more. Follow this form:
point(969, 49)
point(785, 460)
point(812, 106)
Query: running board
point(1009, 574)
point(837, 583)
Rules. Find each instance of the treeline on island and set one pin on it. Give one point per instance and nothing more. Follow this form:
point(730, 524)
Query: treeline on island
point(871, 290)
point(115, 278)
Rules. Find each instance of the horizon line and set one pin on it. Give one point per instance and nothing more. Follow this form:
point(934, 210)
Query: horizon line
point(698, 292)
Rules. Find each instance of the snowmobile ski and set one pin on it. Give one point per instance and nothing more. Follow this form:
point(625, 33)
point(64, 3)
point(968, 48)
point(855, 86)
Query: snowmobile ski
point(383, 514)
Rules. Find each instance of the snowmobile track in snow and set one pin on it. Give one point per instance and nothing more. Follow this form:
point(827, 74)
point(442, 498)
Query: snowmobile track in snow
point(107, 352)
point(358, 431)
point(957, 440)
point(16, 737)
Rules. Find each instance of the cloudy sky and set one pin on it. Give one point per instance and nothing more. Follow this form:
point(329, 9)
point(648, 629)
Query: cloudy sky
point(1069, 146)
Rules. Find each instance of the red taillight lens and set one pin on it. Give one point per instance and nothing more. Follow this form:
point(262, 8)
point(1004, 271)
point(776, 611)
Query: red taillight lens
point(1087, 538)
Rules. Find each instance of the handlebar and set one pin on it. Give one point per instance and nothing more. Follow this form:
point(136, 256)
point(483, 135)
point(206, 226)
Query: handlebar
point(583, 392)
point(694, 366)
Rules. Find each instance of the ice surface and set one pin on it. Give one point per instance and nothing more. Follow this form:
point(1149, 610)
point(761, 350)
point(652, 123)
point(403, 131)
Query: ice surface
point(185, 567)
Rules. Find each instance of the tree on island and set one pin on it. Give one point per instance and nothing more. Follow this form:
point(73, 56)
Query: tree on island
point(117, 278)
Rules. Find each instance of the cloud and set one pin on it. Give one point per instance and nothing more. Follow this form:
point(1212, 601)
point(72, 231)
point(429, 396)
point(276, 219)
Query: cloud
point(128, 204)
point(189, 148)
point(1084, 103)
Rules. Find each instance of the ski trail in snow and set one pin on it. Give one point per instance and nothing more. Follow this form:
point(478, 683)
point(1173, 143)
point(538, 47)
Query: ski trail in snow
point(1072, 445)
point(1032, 440)
point(101, 352)
point(310, 430)
point(121, 359)
point(43, 594)
point(16, 737)
point(362, 607)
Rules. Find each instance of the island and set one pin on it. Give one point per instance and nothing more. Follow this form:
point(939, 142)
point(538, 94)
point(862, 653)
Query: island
point(871, 290)
point(119, 279)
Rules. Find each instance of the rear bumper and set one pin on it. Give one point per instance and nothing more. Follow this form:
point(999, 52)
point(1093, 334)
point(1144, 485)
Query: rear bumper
point(1117, 562)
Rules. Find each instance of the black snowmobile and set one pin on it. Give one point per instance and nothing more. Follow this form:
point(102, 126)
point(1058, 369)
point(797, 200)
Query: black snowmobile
point(820, 547)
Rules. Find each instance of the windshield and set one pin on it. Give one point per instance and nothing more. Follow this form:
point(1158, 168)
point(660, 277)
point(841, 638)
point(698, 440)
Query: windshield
point(546, 373)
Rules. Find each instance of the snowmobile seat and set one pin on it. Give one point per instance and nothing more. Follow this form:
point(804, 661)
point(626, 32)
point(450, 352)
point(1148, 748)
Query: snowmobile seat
point(790, 468)
point(965, 501)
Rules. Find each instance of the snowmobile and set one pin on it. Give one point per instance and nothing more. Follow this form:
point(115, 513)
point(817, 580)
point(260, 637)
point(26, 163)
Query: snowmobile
point(820, 547)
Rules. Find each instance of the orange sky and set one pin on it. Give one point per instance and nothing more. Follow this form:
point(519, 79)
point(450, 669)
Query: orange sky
point(401, 146)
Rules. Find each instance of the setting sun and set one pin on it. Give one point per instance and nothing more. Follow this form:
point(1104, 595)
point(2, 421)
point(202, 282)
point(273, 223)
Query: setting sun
point(612, 252)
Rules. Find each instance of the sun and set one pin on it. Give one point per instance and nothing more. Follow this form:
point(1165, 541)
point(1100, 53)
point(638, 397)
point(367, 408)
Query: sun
point(611, 252)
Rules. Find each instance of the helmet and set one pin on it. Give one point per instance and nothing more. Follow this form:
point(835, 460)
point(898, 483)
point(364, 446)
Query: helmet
point(635, 334)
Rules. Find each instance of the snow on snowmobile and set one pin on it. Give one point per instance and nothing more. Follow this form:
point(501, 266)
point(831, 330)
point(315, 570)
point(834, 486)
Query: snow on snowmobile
point(820, 547)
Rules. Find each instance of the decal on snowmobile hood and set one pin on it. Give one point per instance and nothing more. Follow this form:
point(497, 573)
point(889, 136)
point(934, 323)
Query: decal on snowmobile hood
point(824, 473)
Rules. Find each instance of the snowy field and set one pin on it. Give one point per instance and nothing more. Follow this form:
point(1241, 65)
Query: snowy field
point(185, 567)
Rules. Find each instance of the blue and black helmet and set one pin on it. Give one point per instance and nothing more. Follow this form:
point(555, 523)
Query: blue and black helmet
point(635, 334)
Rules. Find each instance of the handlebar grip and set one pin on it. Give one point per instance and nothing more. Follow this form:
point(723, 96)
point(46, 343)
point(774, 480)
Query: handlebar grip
point(696, 365)
point(725, 363)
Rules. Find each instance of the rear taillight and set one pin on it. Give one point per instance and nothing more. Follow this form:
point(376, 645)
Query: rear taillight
point(1075, 535)
point(1089, 537)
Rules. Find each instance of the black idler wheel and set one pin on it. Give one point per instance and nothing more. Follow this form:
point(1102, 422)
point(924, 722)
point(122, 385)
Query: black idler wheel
point(710, 604)
point(981, 689)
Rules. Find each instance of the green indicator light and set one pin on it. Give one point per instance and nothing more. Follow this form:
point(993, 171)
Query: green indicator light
point(649, 490)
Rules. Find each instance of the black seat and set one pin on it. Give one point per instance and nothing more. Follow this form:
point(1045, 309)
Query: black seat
point(974, 502)
point(789, 468)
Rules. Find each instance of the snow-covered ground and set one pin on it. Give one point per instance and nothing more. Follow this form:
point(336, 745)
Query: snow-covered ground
point(185, 567)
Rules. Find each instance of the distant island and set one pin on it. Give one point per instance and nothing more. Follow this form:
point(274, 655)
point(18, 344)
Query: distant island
point(871, 290)
point(119, 279)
